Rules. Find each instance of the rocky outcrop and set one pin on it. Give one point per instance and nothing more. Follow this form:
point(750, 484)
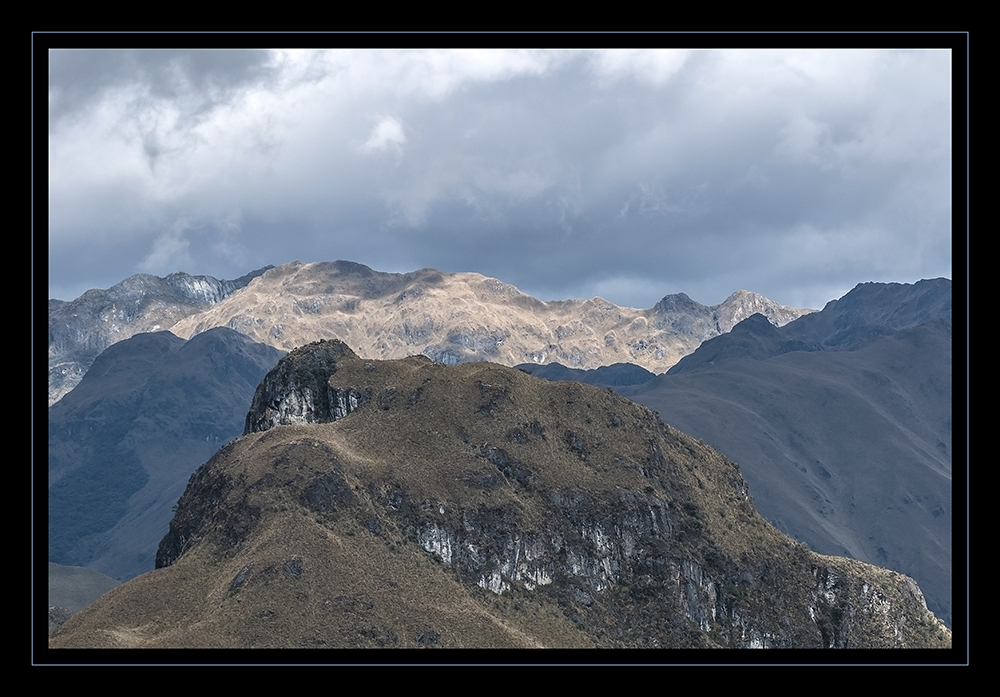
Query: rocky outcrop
point(297, 391)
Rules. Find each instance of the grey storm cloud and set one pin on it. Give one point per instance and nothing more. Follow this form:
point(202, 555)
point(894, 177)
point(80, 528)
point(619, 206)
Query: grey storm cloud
point(624, 174)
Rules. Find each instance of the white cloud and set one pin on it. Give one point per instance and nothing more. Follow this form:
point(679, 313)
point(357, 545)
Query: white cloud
point(654, 67)
point(300, 153)
point(388, 133)
point(170, 250)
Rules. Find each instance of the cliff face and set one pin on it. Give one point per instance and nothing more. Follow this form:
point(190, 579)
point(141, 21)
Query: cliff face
point(396, 503)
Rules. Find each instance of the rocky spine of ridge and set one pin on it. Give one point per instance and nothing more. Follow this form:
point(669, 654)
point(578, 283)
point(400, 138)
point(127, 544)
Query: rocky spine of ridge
point(618, 530)
point(80, 329)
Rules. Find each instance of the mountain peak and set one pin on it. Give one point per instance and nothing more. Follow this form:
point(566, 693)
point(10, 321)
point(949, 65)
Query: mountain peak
point(744, 303)
point(754, 324)
point(678, 302)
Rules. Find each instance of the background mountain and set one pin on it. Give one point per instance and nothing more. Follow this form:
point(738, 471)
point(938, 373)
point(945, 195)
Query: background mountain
point(80, 329)
point(841, 421)
point(617, 375)
point(450, 317)
point(870, 310)
point(408, 503)
point(124, 441)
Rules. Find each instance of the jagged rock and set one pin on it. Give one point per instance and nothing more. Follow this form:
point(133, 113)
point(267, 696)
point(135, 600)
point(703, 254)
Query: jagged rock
point(298, 392)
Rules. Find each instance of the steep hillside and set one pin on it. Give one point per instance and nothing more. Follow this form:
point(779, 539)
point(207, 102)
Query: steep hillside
point(408, 503)
point(122, 444)
point(460, 317)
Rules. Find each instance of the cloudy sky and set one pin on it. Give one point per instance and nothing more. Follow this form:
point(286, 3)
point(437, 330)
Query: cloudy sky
point(622, 174)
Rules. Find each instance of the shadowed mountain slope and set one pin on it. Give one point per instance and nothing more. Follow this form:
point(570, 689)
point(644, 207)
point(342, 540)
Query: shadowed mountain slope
point(80, 329)
point(848, 445)
point(408, 503)
point(614, 376)
point(124, 441)
point(462, 317)
point(870, 310)
point(72, 588)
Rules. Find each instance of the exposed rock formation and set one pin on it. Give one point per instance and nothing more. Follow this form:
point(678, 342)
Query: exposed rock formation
point(474, 505)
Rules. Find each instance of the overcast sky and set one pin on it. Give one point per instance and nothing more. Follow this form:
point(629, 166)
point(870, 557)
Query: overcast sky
point(623, 174)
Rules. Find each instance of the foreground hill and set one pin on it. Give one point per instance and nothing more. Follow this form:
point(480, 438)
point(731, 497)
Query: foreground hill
point(460, 317)
point(124, 441)
point(408, 503)
point(841, 421)
point(80, 329)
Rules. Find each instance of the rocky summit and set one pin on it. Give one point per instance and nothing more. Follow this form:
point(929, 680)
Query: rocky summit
point(408, 503)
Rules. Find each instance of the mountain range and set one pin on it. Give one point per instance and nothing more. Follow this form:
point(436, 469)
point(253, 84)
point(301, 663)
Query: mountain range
point(846, 328)
point(450, 317)
point(80, 329)
point(408, 503)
